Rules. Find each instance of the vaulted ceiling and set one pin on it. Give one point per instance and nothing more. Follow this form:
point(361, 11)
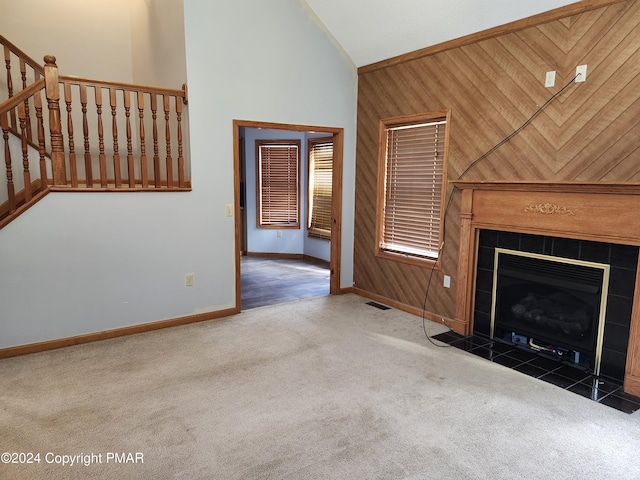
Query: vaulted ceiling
point(374, 30)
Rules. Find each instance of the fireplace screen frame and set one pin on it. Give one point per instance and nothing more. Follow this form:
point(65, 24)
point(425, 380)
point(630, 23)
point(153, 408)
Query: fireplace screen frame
point(603, 293)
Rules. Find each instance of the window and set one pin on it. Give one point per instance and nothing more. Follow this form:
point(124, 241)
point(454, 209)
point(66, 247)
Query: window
point(320, 178)
point(278, 166)
point(412, 168)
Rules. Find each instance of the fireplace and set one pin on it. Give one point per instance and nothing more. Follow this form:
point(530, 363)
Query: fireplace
point(591, 229)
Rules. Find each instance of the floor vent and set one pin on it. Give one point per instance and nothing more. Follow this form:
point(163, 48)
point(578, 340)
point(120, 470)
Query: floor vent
point(378, 305)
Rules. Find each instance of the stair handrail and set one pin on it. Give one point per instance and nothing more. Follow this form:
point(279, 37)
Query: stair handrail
point(76, 80)
point(21, 96)
point(20, 54)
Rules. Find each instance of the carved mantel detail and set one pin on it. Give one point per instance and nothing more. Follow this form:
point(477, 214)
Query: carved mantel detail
point(548, 209)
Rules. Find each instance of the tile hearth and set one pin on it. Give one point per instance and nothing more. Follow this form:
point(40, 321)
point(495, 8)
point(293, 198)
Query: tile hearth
point(550, 370)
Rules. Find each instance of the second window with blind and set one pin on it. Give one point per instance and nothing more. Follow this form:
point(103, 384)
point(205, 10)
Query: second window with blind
point(411, 179)
point(320, 187)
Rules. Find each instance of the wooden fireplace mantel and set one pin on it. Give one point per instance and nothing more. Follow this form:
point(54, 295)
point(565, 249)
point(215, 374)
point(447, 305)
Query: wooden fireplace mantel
point(598, 211)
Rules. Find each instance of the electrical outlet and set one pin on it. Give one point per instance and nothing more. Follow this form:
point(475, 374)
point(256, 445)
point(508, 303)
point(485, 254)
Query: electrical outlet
point(581, 73)
point(189, 280)
point(447, 281)
point(279, 233)
point(550, 79)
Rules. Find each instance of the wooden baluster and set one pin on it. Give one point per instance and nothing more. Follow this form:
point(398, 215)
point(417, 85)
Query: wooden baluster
point(42, 149)
point(156, 155)
point(4, 124)
point(130, 164)
point(143, 150)
point(73, 167)
point(7, 61)
point(23, 75)
point(52, 88)
point(114, 132)
point(88, 168)
point(167, 136)
point(181, 182)
point(25, 152)
point(102, 156)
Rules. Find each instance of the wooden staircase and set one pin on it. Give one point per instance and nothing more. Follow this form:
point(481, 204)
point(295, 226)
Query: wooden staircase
point(40, 153)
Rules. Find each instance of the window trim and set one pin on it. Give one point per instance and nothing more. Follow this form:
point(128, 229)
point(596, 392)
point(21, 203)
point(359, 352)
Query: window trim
point(280, 226)
point(384, 125)
point(312, 231)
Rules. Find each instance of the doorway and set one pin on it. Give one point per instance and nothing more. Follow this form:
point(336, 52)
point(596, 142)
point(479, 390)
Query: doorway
point(241, 187)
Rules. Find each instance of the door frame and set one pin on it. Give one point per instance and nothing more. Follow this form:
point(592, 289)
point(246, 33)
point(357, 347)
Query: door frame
point(336, 194)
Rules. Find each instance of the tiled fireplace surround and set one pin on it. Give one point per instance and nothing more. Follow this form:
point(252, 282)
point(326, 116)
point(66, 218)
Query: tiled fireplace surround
point(548, 213)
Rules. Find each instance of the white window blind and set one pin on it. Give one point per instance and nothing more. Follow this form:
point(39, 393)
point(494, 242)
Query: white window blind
point(278, 184)
point(320, 184)
point(413, 188)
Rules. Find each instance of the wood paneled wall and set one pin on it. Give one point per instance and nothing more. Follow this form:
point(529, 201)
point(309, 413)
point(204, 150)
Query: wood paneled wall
point(591, 132)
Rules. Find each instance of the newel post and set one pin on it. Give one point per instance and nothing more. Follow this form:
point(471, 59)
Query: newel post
point(52, 90)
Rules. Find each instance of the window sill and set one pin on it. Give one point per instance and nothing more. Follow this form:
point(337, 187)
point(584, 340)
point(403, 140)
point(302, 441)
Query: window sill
point(429, 263)
point(275, 226)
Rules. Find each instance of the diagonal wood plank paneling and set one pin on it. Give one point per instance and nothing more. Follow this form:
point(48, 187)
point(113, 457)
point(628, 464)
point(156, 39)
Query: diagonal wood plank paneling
point(589, 133)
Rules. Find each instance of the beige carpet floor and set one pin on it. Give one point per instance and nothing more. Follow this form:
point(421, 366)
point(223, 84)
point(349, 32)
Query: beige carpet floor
point(324, 388)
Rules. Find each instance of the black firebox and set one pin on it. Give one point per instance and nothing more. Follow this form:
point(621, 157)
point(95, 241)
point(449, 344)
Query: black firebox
point(550, 304)
point(621, 259)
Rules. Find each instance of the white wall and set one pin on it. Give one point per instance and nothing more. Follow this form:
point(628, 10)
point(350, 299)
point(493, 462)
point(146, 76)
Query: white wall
point(157, 42)
point(238, 68)
point(88, 38)
point(81, 263)
point(139, 41)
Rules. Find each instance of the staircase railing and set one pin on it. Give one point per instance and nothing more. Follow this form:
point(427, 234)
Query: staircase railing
point(116, 151)
point(26, 177)
point(130, 137)
point(29, 72)
point(20, 96)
